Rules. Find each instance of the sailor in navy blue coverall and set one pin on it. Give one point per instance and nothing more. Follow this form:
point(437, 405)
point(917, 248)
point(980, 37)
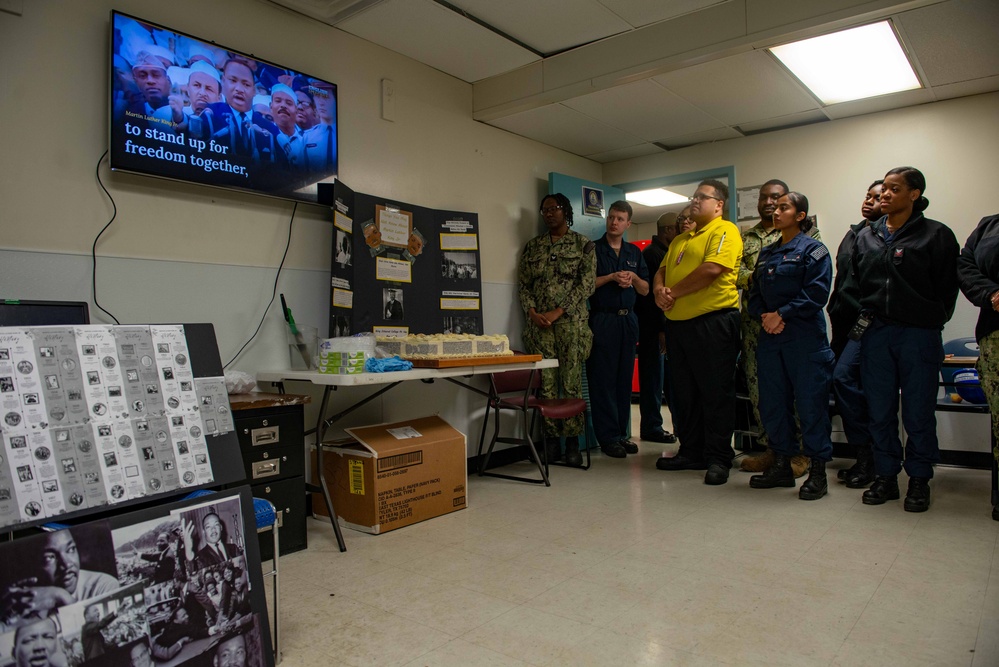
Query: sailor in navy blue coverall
point(621, 275)
point(791, 285)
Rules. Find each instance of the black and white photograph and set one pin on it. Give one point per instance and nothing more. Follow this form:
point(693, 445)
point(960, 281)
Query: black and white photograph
point(51, 381)
point(104, 430)
point(341, 326)
point(68, 465)
point(343, 250)
point(110, 459)
point(88, 350)
point(213, 533)
point(31, 399)
point(462, 324)
point(46, 352)
point(42, 573)
point(96, 629)
point(167, 373)
point(459, 266)
point(114, 392)
point(24, 473)
point(152, 389)
point(392, 306)
point(18, 441)
point(6, 384)
point(148, 552)
point(50, 485)
point(93, 377)
point(36, 643)
point(4, 354)
point(163, 348)
point(132, 375)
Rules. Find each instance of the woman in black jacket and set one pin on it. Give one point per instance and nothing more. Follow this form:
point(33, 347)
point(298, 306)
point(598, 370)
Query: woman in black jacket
point(978, 270)
point(906, 268)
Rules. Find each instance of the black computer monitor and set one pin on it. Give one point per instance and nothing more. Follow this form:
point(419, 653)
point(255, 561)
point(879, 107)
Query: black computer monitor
point(28, 313)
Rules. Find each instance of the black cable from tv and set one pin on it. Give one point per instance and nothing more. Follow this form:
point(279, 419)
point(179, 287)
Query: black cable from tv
point(93, 251)
point(273, 290)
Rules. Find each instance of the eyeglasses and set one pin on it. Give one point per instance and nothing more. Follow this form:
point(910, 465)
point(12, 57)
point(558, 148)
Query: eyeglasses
point(680, 219)
point(550, 209)
point(700, 196)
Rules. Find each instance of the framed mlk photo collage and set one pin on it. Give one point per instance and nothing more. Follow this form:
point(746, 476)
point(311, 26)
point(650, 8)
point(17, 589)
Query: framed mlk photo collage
point(177, 584)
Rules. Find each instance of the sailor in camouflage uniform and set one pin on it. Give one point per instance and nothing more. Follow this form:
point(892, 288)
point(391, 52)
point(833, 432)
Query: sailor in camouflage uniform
point(557, 275)
point(754, 239)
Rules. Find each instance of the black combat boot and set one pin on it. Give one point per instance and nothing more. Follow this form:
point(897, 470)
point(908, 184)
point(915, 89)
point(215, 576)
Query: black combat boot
point(917, 498)
point(780, 474)
point(861, 475)
point(883, 490)
point(816, 485)
point(572, 456)
point(554, 448)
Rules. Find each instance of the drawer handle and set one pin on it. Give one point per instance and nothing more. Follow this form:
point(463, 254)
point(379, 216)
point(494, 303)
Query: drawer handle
point(280, 518)
point(266, 469)
point(265, 436)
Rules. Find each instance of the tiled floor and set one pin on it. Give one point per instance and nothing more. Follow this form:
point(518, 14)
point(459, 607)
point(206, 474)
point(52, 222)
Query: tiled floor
point(627, 565)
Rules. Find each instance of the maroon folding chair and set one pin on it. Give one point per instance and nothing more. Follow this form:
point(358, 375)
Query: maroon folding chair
point(517, 391)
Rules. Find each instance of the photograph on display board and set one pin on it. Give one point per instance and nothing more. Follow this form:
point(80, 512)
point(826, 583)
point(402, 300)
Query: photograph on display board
point(462, 324)
point(44, 573)
point(393, 307)
point(99, 630)
point(459, 266)
point(343, 254)
point(341, 326)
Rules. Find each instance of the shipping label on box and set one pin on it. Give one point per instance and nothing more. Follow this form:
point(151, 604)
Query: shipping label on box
point(394, 475)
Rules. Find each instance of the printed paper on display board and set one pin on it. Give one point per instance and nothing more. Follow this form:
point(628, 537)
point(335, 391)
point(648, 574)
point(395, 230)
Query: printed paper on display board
point(46, 475)
point(61, 378)
point(10, 397)
point(22, 470)
point(89, 465)
point(173, 362)
point(29, 383)
point(135, 349)
point(112, 473)
point(68, 468)
point(9, 512)
point(102, 381)
point(180, 445)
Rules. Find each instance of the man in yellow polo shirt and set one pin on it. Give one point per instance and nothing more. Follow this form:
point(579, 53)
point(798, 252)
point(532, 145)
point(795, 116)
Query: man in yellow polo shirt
point(695, 287)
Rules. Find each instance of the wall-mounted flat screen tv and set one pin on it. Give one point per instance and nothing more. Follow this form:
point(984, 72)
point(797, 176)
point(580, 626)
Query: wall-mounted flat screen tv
point(190, 110)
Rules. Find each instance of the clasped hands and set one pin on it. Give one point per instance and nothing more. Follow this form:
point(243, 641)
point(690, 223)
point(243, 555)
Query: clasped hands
point(995, 301)
point(664, 298)
point(544, 320)
point(773, 323)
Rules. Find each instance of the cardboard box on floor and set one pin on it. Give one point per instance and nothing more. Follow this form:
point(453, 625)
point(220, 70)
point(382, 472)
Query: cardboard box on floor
point(395, 475)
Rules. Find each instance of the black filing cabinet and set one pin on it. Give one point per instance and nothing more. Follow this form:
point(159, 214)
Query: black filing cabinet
point(271, 431)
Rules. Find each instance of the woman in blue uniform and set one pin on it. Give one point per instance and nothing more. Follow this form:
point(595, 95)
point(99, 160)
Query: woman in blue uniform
point(789, 290)
point(906, 269)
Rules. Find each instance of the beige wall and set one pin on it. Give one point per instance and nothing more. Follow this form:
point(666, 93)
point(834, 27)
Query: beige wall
point(954, 143)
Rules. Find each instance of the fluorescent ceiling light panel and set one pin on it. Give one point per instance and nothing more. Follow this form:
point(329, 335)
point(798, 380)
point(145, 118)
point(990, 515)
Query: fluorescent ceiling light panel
point(850, 65)
point(657, 197)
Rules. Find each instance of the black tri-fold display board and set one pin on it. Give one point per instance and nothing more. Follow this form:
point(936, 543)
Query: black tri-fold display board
point(176, 584)
point(399, 268)
point(98, 417)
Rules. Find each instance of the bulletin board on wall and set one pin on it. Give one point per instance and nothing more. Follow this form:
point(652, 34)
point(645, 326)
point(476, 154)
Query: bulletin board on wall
point(400, 268)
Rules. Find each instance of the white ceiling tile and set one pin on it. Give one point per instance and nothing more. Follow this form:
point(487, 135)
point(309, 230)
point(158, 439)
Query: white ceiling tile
point(679, 141)
point(644, 12)
point(625, 153)
point(791, 120)
point(986, 84)
point(740, 89)
point(644, 109)
point(562, 127)
point(880, 103)
point(549, 26)
point(439, 37)
point(954, 41)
